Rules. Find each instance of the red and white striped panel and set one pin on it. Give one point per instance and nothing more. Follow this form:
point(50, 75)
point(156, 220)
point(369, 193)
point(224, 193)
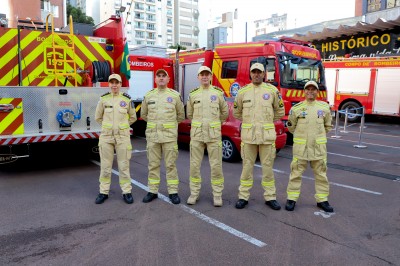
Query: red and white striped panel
point(48, 138)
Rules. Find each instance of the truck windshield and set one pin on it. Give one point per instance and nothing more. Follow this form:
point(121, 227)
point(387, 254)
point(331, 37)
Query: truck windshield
point(296, 71)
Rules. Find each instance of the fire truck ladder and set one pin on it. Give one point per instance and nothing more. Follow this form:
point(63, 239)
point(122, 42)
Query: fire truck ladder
point(67, 47)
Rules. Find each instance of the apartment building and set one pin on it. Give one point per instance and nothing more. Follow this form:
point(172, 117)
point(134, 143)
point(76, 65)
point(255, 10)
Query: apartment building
point(186, 23)
point(35, 10)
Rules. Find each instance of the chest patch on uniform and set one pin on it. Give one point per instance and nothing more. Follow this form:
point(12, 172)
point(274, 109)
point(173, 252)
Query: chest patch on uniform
point(266, 96)
point(122, 103)
point(213, 98)
point(320, 113)
point(151, 102)
point(303, 114)
point(196, 102)
point(246, 101)
point(169, 99)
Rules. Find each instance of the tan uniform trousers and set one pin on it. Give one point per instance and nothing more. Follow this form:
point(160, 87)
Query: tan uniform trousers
point(319, 168)
point(170, 151)
point(249, 155)
point(214, 150)
point(124, 153)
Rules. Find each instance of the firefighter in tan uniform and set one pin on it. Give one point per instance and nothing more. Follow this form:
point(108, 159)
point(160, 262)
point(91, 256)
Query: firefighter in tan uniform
point(309, 121)
point(162, 109)
point(258, 105)
point(115, 112)
point(207, 109)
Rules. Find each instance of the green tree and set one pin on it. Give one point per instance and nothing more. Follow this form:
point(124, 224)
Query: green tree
point(78, 15)
point(176, 47)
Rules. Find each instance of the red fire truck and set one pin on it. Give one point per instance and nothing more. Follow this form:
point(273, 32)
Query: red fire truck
point(369, 82)
point(51, 83)
point(289, 65)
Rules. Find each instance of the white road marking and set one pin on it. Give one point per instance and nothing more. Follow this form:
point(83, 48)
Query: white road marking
point(324, 214)
point(199, 215)
point(138, 151)
point(368, 143)
point(332, 183)
point(360, 158)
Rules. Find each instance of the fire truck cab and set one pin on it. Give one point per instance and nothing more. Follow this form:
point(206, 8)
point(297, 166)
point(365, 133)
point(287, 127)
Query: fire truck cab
point(289, 65)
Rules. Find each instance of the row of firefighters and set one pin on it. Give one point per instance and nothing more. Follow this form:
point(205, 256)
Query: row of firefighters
point(257, 105)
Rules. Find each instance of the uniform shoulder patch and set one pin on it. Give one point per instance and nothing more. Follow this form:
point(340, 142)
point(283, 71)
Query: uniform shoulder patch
point(298, 104)
point(126, 95)
point(151, 91)
point(194, 89)
point(105, 94)
point(218, 89)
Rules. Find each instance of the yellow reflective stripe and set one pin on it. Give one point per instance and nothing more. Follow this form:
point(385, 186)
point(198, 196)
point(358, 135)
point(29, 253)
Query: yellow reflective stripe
point(106, 125)
point(322, 196)
point(195, 179)
point(218, 181)
point(293, 195)
point(321, 140)
point(123, 126)
point(244, 125)
point(215, 124)
point(268, 184)
point(154, 181)
point(299, 141)
point(295, 159)
point(288, 93)
point(124, 181)
point(104, 179)
point(220, 144)
point(196, 124)
point(151, 125)
point(246, 183)
point(129, 147)
point(173, 182)
point(268, 126)
point(169, 125)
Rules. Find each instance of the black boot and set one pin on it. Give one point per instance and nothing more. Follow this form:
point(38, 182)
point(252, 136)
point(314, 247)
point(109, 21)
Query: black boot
point(101, 198)
point(149, 197)
point(290, 204)
point(128, 198)
point(325, 206)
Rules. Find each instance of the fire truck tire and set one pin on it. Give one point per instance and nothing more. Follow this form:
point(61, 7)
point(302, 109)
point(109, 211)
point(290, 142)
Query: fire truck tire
point(229, 151)
point(352, 117)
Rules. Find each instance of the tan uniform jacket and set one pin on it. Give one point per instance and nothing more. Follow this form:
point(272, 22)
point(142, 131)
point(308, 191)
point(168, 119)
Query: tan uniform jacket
point(258, 107)
point(115, 114)
point(163, 110)
point(207, 109)
point(309, 123)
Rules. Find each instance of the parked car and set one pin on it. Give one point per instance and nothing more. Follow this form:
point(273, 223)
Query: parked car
point(231, 135)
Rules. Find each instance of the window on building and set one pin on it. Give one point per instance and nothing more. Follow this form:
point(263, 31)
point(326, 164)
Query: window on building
point(229, 69)
point(169, 20)
point(392, 3)
point(139, 34)
point(184, 35)
point(151, 26)
point(55, 11)
point(374, 5)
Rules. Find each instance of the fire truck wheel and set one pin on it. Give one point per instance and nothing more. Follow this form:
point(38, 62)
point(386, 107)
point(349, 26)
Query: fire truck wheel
point(229, 151)
point(353, 113)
